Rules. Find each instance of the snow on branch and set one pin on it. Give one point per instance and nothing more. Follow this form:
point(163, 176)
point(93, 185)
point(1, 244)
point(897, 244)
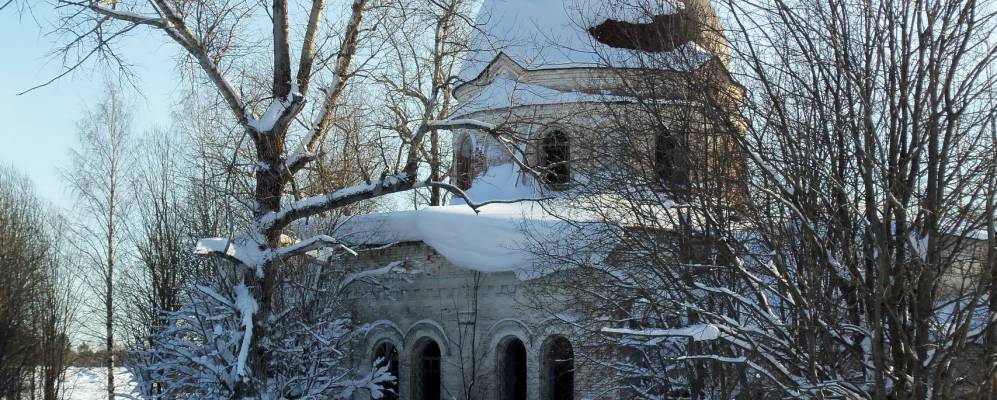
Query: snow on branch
point(342, 197)
point(252, 254)
point(278, 113)
point(239, 250)
point(267, 121)
point(134, 18)
point(303, 154)
point(247, 306)
point(373, 383)
point(310, 244)
point(698, 333)
point(393, 267)
point(207, 291)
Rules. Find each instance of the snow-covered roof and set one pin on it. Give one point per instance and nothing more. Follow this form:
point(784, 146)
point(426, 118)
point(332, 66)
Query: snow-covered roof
point(540, 52)
point(498, 238)
point(543, 34)
point(523, 233)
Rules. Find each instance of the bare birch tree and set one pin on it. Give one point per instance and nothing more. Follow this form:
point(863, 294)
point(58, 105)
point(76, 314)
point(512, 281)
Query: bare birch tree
point(98, 177)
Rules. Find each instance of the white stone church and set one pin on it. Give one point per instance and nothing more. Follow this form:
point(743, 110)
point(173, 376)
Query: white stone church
point(448, 298)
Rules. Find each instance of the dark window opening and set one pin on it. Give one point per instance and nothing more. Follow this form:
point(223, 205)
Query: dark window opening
point(464, 165)
point(512, 371)
point(663, 34)
point(669, 159)
point(559, 370)
point(389, 356)
point(556, 154)
point(427, 374)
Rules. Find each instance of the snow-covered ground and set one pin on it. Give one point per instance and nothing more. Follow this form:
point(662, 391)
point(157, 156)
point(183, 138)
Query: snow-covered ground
point(91, 383)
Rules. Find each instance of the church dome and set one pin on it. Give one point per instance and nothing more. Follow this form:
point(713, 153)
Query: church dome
point(545, 34)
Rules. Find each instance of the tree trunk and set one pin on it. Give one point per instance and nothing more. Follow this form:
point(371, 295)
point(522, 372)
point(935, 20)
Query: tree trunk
point(109, 282)
point(435, 195)
point(109, 326)
point(990, 388)
point(269, 188)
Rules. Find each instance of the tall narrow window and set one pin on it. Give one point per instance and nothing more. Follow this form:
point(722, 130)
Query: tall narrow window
point(464, 164)
point(558, 371)
point(556, 153)
point(512, 370)
point(427, 372)
point(388, 353)
point(669, 159)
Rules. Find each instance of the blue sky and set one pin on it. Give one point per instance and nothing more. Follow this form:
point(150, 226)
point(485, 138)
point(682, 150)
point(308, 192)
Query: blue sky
point(38, 129)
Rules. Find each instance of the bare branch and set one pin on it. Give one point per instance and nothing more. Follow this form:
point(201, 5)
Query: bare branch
point(139, 19)
point(475, 205)
point(344, 59)
point(180, 33)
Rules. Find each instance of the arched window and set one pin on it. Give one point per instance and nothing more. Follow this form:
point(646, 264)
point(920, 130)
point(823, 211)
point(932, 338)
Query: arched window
point(669, 158)
point(558, 370)
point(388, 353)
point(555, 151)
point(427, 376)
point(464, 164)
point(512, 370)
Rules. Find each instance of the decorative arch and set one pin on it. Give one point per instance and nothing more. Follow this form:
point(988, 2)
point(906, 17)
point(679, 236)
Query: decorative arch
point(557, 369)
point(430, 329)
point(383, 331)
point(510, 327)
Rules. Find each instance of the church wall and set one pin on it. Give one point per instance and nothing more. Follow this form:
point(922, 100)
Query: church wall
point(470, 315)
point(598, 140)
point(584, 122)
point(964, 258)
